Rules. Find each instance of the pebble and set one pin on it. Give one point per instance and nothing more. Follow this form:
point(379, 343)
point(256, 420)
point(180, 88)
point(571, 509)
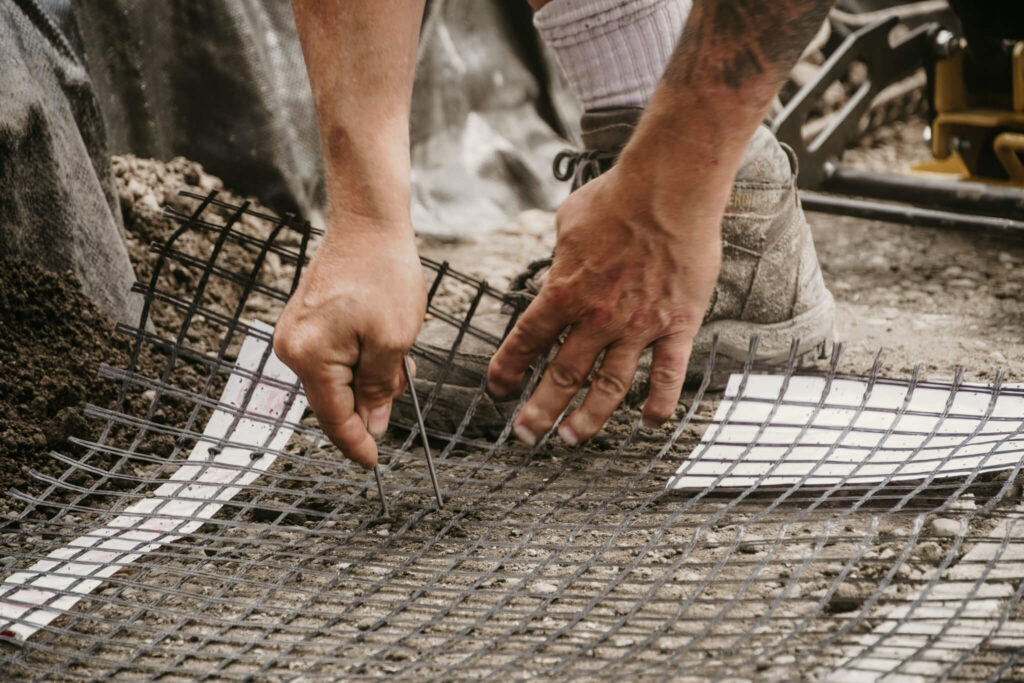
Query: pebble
point(964, 502)
point(1006, 258)
point(150, 203)
point(136, 188)
point(945, 527)
point(953, 272)
point(962, 283)
point(929, 550)
point(545, 587)
point(997, 357)
point(847, 598)
point(671, 644)
point(623, 641)
point(149, 394)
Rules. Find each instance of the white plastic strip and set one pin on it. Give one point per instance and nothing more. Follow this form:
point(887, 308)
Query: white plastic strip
point(32, 598)
point(775, 434)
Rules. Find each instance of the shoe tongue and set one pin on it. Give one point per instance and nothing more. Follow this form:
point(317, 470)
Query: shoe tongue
point(608, 130)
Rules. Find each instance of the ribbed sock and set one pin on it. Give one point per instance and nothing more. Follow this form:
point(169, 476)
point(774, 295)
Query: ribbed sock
point(613, 52)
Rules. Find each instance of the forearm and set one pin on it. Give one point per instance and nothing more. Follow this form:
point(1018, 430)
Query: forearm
point(729, 63)
point(360, 56)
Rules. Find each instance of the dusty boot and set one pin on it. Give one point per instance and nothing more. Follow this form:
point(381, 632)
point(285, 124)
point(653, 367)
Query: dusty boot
point(770, 284)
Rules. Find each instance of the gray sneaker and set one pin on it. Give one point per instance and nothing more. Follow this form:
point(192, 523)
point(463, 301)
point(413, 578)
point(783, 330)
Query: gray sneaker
point(770, 284)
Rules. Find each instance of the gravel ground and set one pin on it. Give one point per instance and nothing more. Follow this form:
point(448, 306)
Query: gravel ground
point(562, 562)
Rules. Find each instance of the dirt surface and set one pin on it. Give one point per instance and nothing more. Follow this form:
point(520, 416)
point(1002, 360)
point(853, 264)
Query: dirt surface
point(555, 560)
point(52, 341)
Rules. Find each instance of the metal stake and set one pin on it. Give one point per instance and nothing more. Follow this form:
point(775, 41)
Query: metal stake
point(380, 490)
point(423, 432)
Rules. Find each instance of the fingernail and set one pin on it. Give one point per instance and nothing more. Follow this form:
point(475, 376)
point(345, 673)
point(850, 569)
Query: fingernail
point(524, 434)
point(494, 390)
point(377, 422)
point(568, 435)
point(649, 423)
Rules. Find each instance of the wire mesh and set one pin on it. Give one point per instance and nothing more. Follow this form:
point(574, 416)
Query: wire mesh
point(544, 561)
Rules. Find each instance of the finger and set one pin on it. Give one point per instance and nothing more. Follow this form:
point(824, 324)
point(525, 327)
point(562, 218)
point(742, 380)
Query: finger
point(331, 398)
point(668, 370)
point(563, 377)
point(378, 379)
point(533, 334)
point(606, 392)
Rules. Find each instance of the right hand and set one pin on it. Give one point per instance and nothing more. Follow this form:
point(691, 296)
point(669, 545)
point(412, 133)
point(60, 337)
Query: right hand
point(348, 326)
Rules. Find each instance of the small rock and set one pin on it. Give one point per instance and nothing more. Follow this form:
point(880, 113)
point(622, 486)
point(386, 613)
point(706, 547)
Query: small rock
point(929, 550)
point(953, 272)
point(965, 502)
point(803, 73)
point(671, 644)
point(149, 202)
point(149, 394)
point(545, 587)
point(848, 597)
point(1006, 258)
point(135, 188)
point(785, 660)
point(945, 527)
point(998, 357)
point(962, 283)
point(623, 641)
point(878, 261)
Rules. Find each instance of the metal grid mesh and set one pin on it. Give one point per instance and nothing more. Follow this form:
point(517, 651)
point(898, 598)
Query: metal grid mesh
point(553, 561)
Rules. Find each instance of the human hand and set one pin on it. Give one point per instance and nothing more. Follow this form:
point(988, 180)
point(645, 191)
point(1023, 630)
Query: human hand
point(348, 326)
point(634, 267)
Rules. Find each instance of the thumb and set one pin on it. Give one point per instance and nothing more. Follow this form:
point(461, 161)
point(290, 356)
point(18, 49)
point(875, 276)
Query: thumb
point(378, 379)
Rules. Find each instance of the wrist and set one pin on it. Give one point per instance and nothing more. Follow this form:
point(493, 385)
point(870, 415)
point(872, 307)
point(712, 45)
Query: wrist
point(685, 152)
point(367, 173)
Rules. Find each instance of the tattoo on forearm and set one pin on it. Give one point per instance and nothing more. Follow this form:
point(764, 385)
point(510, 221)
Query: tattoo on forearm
point(730, 42)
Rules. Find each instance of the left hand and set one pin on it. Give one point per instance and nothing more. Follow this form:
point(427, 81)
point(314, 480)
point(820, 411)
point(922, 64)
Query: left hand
point(634, 267)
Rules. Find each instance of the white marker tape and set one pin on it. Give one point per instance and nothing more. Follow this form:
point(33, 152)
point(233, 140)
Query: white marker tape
point(889, 439)
point(32, 598)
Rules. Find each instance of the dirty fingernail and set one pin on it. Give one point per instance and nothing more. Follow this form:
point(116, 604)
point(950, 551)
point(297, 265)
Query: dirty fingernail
point(494, 390)
point(650, 423)
point(568, 435)
point(377, 422)
point(524, 434)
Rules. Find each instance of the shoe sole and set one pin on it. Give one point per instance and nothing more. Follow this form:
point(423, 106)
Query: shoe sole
point(813, 329)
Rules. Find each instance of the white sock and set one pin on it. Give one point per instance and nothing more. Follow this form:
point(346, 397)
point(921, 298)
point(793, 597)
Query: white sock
point(613, 52)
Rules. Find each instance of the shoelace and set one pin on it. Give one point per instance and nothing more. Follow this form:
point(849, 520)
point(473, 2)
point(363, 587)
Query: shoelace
point(581, 166)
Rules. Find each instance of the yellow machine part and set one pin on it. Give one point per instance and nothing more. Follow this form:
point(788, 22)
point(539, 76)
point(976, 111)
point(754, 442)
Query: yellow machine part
point(961, 128)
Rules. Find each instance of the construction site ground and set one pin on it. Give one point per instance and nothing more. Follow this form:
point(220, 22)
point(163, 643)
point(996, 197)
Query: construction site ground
point(929, 298)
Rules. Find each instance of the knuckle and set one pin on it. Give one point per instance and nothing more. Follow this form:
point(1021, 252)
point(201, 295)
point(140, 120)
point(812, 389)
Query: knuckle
point(556, 295)
point(666, 376)
point(521, 340)
point(609, 384)
point(564, 376)
point(290, 347)
point(378, 389)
